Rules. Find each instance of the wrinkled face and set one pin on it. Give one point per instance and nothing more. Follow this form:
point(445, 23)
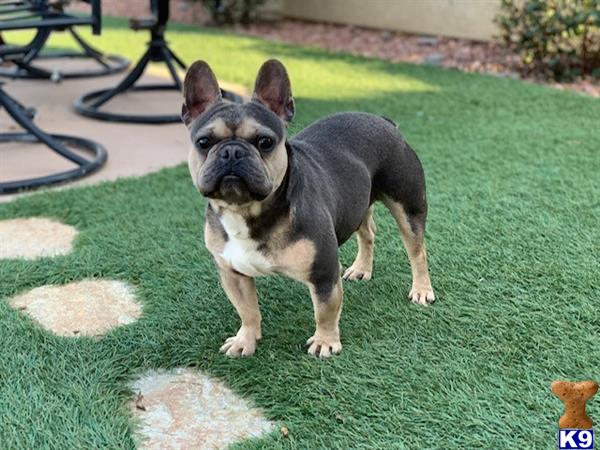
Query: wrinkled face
point(238, 153)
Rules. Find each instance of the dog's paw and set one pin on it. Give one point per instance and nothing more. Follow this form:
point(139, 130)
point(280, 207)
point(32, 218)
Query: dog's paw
point(323, 346)
point(422, 295)
point(356, 272)
point(242, 344)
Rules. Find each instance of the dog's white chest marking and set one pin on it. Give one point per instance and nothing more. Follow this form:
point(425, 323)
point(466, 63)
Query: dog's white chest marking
point(241, 251)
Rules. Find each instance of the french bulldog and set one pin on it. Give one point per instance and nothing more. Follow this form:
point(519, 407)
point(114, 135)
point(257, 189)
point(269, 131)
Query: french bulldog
point(279, 205)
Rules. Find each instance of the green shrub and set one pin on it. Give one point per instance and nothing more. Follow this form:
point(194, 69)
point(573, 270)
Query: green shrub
point(229, 12)
point(558, 39)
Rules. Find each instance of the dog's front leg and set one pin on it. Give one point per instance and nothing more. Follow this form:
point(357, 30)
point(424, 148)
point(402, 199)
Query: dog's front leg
point(327, 302)
point(241, 291)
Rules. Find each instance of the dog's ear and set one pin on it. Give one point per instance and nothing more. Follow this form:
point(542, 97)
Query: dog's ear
point(273, 89)
point(200, 91)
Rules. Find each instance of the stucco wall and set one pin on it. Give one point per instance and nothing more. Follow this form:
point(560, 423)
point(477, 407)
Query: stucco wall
point(471, 19)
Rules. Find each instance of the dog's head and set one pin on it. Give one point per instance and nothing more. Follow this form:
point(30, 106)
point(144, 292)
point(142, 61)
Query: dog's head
point(239, 154)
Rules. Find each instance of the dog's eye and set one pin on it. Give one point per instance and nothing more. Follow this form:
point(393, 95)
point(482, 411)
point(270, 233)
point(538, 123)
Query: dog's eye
point(265, 143)
point(203, 143)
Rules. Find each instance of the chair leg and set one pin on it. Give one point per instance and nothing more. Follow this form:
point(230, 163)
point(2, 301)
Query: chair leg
point(56, 143)
point(19, 113)
point(169, 62)
point(38, 43)
point(88, 49)
point(126, 83)
point(23, 64)
point(176, 58)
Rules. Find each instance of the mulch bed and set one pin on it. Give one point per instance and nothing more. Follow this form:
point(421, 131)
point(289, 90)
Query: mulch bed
point(461, 54)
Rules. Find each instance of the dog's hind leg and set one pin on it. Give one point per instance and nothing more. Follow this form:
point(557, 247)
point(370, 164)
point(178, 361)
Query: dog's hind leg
point(362, 268)
point(412, 229)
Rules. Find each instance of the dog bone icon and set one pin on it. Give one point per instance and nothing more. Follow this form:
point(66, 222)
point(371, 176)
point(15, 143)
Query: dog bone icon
point(574, 396)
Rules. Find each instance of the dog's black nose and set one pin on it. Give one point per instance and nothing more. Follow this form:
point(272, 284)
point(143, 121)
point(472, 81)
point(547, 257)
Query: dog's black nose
point(232, 153)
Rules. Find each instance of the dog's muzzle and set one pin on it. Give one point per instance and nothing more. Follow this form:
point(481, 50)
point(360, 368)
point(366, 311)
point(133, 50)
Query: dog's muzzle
point(236, 175)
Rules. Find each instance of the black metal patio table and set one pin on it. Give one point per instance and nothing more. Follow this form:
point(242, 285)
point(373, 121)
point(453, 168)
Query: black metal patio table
point(60, 144)
point(15, 14)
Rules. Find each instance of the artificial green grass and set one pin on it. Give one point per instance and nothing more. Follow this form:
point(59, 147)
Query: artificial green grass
point(513, 173)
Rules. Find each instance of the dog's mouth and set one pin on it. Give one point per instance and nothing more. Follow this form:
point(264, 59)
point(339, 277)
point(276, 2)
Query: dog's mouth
point(233, 187)
point(236, 185)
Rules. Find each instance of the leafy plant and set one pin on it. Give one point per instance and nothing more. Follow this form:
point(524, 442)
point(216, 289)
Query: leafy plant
point(229, 12)
point(558, 39)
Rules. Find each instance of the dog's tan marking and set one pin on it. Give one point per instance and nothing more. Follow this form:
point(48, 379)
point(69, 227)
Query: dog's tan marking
point(276, 162)
point(362, 268)
point(326, 340)
point(296, 260)
point(215, 242)
point(255, 209)
point(249, 128)
point(241, 291)
point(421, 292)
point(195, 162)
point(219, 129)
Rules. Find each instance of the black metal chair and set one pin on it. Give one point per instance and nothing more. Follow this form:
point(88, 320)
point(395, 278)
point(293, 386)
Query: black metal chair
point(27, 66)
point(23, 116)
point(158, 51)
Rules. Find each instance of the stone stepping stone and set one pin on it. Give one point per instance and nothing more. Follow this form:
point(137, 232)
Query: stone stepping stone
point(184, 409)
point(82, 308)
point(35, 237)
